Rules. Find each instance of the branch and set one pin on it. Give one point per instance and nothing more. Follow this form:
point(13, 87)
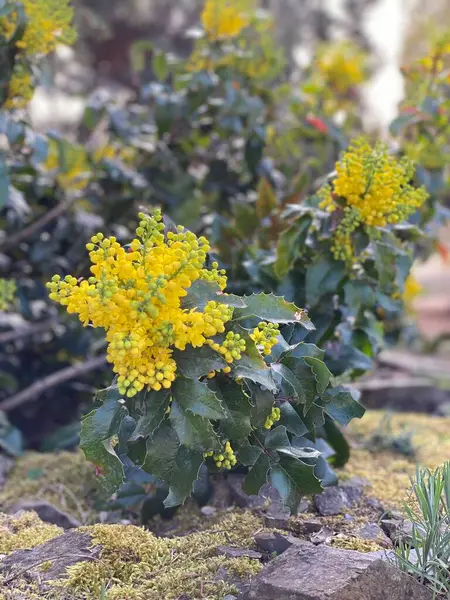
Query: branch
point(49, 216)
point(21, 332)
point(34, 391)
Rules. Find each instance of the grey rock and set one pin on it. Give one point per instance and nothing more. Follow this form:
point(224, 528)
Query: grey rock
point(373, 532)
point(375, 504)
point(240, 498)
point(310, 526)
point(353, 490)
point(238, 552)
point(308, 572)
point(403, 393)
point(63, 551)
point(208, 511)
point(322, 537)
point(274, 542)
point(334, 500)
point(46, 512)
point(398, 530)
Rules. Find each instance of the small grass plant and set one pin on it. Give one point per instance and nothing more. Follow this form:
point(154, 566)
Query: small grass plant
point(426, 554)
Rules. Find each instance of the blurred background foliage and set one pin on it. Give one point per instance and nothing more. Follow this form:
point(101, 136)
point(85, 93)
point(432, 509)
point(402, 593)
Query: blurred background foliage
point(231, 137)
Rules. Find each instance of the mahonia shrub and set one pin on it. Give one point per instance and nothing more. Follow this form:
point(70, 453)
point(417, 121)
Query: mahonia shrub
point(205, 379)
point(32, 29)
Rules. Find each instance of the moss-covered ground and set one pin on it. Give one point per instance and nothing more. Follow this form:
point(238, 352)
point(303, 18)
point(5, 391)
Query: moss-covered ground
point(136, 564)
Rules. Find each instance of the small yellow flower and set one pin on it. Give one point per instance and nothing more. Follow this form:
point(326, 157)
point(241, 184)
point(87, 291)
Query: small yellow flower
point(224, 19)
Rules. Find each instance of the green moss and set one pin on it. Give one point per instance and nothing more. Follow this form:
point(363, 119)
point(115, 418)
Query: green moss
point(64, 479)
point(347, 542)
point(135, 564)
point(24, 532)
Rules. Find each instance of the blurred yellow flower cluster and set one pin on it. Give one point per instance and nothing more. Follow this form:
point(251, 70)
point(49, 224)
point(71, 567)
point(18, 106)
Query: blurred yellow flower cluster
point(48, 23)
point(70, 163)
point(222, 19)
point(7, 291)
point(412, 289)
point(136, 296)
point(341, 65)
point(375, 188)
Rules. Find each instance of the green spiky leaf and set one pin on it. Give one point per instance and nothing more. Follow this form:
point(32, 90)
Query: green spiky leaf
point(275, 309)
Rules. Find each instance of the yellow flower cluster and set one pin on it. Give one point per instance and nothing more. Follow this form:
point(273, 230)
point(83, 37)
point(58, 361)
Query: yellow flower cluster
point(265, 336)
point(136, 296)
point(233, 345)
point(70, 164)
point(226, 459)
point(7, 291)
point(20, 89)
point(412, 289)
point(222, 19)
point(274, 416)
point(374, 186)
point(341, 65)
point(48, 23)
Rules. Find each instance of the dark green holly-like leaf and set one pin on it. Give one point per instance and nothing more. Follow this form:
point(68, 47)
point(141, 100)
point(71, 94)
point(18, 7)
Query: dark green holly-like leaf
point(193, 431)
point(302, 349)
point(261, 376)
point(97, 430)
point(275, 309)
point(286, 376)
point(323, 278)
point(173, 463)
point(155, 406)
point(293, 479)
point(343, 406)
point(321, 373)
point(248, 454)
point(196, 397)
point(290, 242)
point(257, 476)
point(196, 362)
point(201, 292)
point(337, 441)
point(304, 374)
point(262, 401)
point(358, 295)
point(291, 419)
point(236, 425)
point(314, 417)
point(184, 475)
point(278, 440)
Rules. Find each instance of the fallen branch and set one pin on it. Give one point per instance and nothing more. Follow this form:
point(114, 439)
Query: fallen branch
point(22, 332)
point(34, 391)
point(18, 238)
